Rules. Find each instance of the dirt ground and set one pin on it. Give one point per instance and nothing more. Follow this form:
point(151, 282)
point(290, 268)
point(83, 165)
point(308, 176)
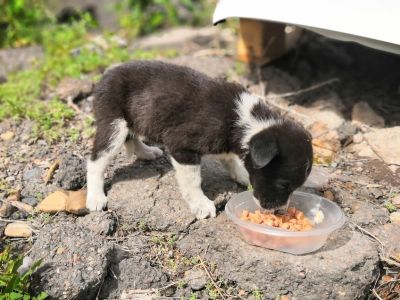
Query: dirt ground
point(148, 244)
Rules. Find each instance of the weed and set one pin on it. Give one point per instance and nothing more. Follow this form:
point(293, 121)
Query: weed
point(193, 296)
point(390, 207)
point(257, 294)
point(14, 285)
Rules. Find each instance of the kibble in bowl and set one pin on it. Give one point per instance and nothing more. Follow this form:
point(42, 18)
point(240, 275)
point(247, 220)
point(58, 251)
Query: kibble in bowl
point(304, 228)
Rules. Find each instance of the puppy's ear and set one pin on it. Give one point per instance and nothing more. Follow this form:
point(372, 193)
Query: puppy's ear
point(263, 149)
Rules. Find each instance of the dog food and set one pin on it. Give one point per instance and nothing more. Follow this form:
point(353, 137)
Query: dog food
point(293, 219)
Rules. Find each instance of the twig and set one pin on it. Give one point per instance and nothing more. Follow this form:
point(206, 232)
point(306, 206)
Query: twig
point(212, 280)
point(368, 233)
point(376, 294)
point(390, 261)
point(12, 221)
point(299, 92)
point(51, 171)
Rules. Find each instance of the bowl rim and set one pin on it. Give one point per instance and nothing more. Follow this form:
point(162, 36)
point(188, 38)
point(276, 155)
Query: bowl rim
point(282, 232)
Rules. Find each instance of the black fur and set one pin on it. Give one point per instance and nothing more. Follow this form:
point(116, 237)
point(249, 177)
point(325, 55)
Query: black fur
point(193, 115)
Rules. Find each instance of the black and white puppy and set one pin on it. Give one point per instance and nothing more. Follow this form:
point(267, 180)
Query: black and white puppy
point(193, 116)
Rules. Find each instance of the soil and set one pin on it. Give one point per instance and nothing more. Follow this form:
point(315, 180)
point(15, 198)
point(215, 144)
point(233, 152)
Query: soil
point(148, 243)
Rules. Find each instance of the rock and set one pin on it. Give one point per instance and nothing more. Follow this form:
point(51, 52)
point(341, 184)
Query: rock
point(147, 192)
point(14, 196)
point(135, 273)
point(395, 217)
point(330, 273)
point(326, 111)
point(179, 38)
point(363, 113)
point(71, 173)
point(26, 264)
point(32, 174)
point(318, 178)
point(346, 132)
point(329, 195)
point(18, 230)
point(19, 215)
point(100, 223)
point(77, 271)
point(366, 215)
point(76, 202)
point(6, 209)
point(358, 138)
point(196, 279)
point(212, 66)
point(22, 206)
point(363, 150)
point(396, 201)
point(386, 143)
point(6, 136)
point(15, 59)
point(74, 89)
point(325, 147)
point(32, 201)
point(389, 236)
point(54, 202)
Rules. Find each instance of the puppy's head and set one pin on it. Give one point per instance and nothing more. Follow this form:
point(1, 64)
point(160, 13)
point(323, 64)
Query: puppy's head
point(279, 161)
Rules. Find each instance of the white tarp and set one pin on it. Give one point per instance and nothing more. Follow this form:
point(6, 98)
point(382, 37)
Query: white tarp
point(373, 23)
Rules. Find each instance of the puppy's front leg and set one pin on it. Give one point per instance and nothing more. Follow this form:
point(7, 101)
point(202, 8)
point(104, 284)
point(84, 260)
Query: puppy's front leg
point(189, 181)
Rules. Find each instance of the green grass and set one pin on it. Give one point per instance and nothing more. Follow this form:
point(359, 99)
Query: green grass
point(21, 96)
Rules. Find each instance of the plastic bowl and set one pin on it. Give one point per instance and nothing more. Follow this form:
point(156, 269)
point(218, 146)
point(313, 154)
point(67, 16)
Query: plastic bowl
point(281, 239)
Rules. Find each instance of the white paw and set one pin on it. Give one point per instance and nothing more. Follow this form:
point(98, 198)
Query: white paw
point(150, 153)
point(96, 202)
point(203, 208)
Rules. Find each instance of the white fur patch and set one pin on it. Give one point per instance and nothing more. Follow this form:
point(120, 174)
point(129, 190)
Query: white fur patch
point(96, 199)
point(189, 181)
point(251, 125)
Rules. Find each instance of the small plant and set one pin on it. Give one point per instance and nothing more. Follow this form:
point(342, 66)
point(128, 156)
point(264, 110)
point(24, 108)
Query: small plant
point(257, 294)
point(193, 296)
point(390, 207)
point(13, 285)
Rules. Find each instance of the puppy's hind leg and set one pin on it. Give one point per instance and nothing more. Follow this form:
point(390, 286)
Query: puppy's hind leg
point(134, 145)
point(108, 140)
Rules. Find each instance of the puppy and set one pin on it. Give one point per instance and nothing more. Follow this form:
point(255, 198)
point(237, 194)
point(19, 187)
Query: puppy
point(193, 116)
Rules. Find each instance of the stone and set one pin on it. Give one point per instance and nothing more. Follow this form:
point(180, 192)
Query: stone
point(212, 66)
point(386, 143)
point(15, 59)
point(18, 230)
point(54, 202)
point(326, 111)
point(76, 202)
point(346, 132)
point(100, 223)
point(134, 273)
point(78, 271)
point(329, 195)
point(147, 192)
point(22, 206)
point(7, 136)
point(396, 201)
point(366, 215)
point(395, 217)
point(6, 209)
point(196, 279)
point(389, 236)
point(363, 150)
point(32, 174)
point(14, 196)
point(331, 273)
point(74, 89)
point(178, 38)
point(318, 178)
point(363, 113)
point(325, 147)
point(71, 173)
point(32, 201)
point(358, 138)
